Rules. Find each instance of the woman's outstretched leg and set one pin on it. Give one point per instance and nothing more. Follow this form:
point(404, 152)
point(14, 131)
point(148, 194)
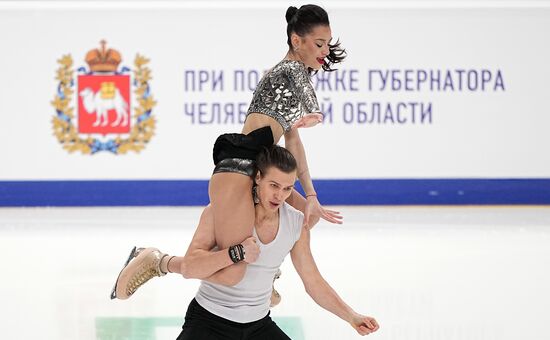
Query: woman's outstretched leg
point(145, 263)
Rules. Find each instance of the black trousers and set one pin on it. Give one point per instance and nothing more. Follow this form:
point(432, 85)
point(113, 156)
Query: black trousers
point(200, 324)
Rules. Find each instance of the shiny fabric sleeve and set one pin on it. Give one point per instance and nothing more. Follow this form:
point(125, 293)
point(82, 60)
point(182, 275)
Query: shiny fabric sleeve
point(285, 93)
point(304, 88)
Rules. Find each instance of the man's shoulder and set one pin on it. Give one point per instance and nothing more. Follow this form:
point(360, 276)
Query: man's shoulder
point(291, 209)
point(293, 214)
point(294, 220)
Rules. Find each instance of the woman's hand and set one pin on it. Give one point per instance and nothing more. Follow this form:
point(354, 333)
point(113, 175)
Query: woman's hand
point(308, 120)
point(364, 325)
point(314, 210)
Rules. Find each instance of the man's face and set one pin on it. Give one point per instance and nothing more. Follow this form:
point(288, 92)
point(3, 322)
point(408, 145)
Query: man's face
point(274, 187)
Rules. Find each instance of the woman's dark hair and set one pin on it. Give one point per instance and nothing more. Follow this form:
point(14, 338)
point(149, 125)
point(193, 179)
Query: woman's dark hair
point(302, 21)
point(275, 156)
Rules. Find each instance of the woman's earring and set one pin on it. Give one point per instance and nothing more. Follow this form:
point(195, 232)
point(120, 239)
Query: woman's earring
point(255, 194)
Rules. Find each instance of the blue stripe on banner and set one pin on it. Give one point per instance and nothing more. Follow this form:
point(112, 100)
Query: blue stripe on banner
point(331, 192)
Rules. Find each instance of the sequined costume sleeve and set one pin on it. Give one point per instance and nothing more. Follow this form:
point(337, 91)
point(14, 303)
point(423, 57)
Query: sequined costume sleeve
point(285, 93)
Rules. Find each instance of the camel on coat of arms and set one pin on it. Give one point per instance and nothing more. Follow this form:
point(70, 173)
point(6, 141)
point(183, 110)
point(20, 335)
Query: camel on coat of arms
point(100, 104)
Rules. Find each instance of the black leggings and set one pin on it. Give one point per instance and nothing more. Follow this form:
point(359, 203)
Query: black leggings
point(200, 324)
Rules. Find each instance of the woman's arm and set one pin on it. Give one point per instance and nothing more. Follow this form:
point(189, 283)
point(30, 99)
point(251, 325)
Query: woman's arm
point(312, 208)
point(321, 292)
point(293, 143)
point(298, 201)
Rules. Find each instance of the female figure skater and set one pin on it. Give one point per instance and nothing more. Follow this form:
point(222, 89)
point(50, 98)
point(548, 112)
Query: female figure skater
point(283, 101)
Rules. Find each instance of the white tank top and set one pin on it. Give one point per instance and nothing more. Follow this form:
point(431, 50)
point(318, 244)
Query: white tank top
point(249, 300)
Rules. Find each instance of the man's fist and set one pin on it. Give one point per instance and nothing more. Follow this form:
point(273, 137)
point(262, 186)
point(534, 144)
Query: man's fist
point(251, 250)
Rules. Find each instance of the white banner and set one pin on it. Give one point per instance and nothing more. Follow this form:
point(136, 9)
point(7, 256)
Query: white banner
point(424, 93)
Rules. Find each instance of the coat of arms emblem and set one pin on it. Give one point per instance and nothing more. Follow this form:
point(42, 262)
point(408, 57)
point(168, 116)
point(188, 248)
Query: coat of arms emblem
point(104, 96)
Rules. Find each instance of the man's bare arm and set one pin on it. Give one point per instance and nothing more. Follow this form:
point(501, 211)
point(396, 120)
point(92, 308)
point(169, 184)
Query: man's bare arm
point(321, 292)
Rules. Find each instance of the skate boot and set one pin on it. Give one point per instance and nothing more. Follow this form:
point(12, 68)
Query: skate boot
point(275, 296)
point(142, 265)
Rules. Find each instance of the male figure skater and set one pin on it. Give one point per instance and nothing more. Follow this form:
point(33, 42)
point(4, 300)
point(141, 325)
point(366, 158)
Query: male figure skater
point(231, 310)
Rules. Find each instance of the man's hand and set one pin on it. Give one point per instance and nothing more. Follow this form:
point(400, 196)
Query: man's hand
point(251, 250)
point(364, 325)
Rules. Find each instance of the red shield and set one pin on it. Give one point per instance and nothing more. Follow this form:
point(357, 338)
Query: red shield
point(104, 104)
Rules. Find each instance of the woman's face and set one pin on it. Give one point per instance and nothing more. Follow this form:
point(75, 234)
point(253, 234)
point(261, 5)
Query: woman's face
point(313, 47)
point(274, 187)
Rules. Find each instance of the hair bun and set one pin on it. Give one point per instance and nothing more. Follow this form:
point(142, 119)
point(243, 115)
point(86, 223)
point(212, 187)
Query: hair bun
point(290, 13)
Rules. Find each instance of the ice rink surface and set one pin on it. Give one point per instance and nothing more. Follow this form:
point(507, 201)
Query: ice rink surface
point(423, 272)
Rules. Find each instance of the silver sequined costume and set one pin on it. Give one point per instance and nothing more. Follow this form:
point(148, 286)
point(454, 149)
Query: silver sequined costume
point(285, 93)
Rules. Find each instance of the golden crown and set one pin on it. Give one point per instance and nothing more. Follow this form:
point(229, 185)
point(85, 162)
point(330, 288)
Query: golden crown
point(103, 60)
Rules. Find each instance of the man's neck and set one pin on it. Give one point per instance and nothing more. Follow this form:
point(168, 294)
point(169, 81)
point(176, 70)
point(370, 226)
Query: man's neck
point(267, 224)
point(266, 218)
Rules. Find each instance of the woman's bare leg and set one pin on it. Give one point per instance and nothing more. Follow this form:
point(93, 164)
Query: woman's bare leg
point(233, 211)
point(200, 261)
point(226, 221)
